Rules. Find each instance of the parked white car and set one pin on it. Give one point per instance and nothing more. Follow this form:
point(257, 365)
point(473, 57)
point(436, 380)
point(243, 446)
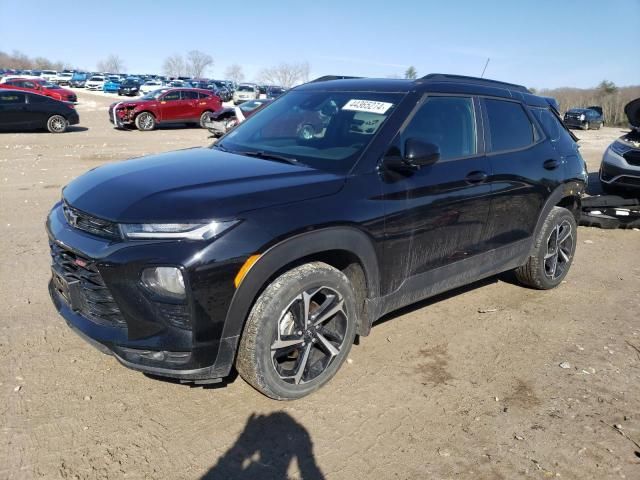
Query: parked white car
point(150, 86)
point(62, 78)
point(48, 74)
point(96, 82)
point(244, 92)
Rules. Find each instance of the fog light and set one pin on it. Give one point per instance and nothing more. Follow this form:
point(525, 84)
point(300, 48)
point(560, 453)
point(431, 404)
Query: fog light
point(165, 281)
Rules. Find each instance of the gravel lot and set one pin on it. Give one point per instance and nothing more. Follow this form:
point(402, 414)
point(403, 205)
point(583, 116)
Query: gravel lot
point(438, 390)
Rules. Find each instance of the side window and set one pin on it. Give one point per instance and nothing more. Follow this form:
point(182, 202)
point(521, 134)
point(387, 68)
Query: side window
point(448, 122)
point(8, 98)
point(204, 96)
point(37, 99)
point(509, 124)
point(171, 96)
point(549, 123)
point(189, 95)
point(27, 84)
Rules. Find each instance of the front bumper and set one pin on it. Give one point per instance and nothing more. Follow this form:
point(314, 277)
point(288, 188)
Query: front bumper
point(574, 123)
point(615, 170)
point(118, 317)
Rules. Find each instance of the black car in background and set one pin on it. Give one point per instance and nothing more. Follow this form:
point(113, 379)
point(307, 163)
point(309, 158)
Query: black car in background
point(584, 118)
point(129, 88)
point(29, 111)
point(332, 206)
point(274, 92)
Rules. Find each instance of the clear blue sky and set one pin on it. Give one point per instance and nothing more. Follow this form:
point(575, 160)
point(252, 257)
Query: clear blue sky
point(539, 43)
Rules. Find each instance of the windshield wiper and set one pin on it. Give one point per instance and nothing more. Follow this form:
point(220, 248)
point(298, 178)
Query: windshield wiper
point(268, 156)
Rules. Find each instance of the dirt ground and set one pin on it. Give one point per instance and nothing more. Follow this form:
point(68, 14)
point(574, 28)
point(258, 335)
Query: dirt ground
point(437, 391)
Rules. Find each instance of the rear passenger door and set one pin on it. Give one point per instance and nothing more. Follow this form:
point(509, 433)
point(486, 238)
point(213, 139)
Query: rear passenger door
point(190, 101)
point(524, 171)
point(171, 108)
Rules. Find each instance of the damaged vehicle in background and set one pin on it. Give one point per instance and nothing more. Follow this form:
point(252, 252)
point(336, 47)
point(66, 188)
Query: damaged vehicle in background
point(165, 106)
point(222, 121)
point(620, 167)
point(584, 118)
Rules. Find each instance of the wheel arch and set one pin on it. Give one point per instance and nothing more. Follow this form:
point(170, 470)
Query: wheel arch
point(567, 195)
point(345, 248)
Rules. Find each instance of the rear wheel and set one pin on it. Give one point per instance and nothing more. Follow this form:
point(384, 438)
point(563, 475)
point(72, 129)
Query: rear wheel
point(204, 118)
point(145, 121)
point(553, 252)
point(57, 124)
point(299, 332)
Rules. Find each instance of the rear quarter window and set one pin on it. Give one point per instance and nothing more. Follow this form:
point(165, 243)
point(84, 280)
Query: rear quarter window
point(509, 125)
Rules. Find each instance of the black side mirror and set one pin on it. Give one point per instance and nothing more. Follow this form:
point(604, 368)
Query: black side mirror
point(420, 154)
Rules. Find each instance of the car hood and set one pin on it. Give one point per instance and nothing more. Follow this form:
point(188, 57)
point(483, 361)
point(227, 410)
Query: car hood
point(632, 110)
point(194, 185)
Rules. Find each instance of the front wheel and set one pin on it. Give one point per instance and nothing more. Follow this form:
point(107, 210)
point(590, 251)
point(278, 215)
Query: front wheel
point(299, 332)
point(57, 124)
point(145, 121)
point(586, 126)
point(553, 251)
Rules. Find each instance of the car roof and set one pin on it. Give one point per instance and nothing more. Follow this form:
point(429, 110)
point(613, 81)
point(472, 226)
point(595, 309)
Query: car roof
point(435, 82)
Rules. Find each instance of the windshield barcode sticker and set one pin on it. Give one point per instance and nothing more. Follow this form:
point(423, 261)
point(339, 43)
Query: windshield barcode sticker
point(369, 106)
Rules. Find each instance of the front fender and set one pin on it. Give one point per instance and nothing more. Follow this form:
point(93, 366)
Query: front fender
point(295, 248)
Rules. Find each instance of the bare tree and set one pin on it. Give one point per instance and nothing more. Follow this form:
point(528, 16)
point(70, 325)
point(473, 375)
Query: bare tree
point(112, 64)
point(286, 74)
point(174, 66)
point(198, 62)
point(234, 73)
point(411, 73)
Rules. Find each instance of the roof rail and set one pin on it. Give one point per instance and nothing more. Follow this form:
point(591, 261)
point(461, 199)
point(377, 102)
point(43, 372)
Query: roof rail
point(326, 78)
point(444, 77)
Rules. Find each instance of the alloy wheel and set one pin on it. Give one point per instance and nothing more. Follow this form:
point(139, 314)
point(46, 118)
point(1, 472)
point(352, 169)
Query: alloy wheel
point(559, 248)
point(310, 334)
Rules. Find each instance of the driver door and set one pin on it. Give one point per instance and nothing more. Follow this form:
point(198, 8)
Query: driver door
point(171, 107)
point(435, 215)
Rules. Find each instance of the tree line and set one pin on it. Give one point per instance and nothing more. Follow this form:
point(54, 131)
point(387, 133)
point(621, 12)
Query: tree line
point(610, 97)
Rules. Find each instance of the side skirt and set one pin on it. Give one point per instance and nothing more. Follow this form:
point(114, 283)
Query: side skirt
point(457, 274)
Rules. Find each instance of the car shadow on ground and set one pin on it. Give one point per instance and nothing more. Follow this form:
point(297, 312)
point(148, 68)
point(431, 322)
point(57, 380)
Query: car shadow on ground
point(265, 450)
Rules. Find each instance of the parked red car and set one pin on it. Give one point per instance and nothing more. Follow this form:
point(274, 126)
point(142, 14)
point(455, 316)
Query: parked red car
point(165, 106)
point(42, 87)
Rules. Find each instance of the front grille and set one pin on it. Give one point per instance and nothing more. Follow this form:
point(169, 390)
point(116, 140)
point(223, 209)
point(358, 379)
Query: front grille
point(633, 157)
point(629, 181)
point(97, 303)
point(88, 223)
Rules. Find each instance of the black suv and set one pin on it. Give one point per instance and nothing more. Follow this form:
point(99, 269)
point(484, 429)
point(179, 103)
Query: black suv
point(341, 201)
point(584, 118)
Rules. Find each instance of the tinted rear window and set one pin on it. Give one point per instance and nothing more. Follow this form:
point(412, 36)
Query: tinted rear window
point(509, 124)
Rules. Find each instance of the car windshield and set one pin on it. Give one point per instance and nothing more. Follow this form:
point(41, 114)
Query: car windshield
point(250, 105)
point(325, 130)
point(246, 88)
point(155, 94)
point(96, 79)
point(51, 86)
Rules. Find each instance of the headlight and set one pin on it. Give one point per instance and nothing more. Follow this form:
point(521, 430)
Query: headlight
point(619, 148)
point(176, 231)
point(166, 281)
point(582, 117)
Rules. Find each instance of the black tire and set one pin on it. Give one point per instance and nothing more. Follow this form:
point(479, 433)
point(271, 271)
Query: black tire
point(204, 117)
point(57, 124)
point(275, 370)
point(540, 272)
point(145, 121)
point(586, 126)
point(600, 125)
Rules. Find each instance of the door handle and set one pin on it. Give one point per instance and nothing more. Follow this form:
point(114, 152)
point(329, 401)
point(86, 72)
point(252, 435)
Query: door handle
point(476, 177)
point(551, 164)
